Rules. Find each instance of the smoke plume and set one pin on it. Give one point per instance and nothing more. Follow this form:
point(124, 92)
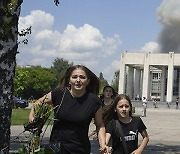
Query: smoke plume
point(169, 16)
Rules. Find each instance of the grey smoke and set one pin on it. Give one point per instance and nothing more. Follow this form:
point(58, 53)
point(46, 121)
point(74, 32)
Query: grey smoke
point(169, 16)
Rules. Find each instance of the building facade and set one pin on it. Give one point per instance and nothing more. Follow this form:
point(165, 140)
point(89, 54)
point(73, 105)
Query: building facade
point(150, 75)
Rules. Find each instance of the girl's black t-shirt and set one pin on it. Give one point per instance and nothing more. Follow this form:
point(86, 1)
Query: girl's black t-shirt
point(73, 120)
point(130, 131)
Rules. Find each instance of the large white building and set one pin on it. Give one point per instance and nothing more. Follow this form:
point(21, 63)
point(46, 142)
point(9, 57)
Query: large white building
point(150, 75)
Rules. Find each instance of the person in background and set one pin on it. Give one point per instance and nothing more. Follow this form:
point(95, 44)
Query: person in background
point(155, 103)
point(168, 105)
point(121, 112)
point(78, 92)
point(177, 102)
point(144, 105)
point(107, 97)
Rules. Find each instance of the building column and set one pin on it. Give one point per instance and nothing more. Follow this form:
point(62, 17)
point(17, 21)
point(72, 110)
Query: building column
point(170, 78)
point(122, 75)
point(150, 85)
point(145, 87)
point(141, 82)
point(130, 77)
point(179, 83)
point(163, 82)
point(137, 79)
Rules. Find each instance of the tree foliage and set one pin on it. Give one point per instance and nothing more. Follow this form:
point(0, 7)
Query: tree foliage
point(56, 2)
point(103, 82)
point(36, 80)
point(33, 81)
point(115, 81)
point(59, 67)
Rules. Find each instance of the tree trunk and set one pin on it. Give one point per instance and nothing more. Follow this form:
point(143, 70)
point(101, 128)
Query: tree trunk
point(9, 16)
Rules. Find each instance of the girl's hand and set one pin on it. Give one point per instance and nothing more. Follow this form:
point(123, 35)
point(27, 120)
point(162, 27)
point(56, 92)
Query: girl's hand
point(101, 150)
point(105, 150)
point(136, 152)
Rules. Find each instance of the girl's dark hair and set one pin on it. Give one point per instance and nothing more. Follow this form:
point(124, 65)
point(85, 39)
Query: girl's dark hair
point(93, 85)
point(110, 114)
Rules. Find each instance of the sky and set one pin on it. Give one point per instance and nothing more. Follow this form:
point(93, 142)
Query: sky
point(94, 33)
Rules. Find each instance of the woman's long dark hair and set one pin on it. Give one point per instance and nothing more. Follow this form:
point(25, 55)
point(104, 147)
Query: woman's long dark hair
point(110, 114)
point(93, 85)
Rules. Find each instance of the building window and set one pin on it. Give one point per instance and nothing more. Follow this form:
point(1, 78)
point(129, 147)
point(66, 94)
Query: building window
point(155, 76)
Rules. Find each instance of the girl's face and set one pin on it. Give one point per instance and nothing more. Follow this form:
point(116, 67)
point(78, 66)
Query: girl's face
point(78, 80)
point(123, 108)
point(108, 92)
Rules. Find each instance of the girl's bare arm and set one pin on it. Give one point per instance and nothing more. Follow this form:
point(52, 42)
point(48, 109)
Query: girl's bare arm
point(144, 142)
point(108, 136)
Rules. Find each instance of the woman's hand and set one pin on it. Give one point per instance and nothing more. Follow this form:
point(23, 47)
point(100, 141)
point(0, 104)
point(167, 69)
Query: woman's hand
point(31, 118)
point(45, 99)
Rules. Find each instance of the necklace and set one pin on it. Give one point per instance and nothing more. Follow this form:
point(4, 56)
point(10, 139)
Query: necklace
point(109, 102)
point(77, 94)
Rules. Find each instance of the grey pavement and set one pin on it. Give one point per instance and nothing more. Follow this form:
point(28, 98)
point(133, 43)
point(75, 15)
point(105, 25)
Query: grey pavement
point(163, 126)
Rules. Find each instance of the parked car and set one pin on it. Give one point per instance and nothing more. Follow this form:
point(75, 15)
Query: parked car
point(18, 102)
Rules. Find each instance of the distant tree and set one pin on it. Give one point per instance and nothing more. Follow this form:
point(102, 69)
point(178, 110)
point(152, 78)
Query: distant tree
point(59, 67)
point(9, 16)
point(21, 81)
point(103, 82)
point(115, 81)
point(33, 81)
point(42, 81)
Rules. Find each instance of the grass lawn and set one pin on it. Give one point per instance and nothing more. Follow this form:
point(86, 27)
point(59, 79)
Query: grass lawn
point(19, 116)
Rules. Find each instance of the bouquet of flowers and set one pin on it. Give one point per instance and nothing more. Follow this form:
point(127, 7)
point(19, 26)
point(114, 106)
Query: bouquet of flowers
point(42, 113)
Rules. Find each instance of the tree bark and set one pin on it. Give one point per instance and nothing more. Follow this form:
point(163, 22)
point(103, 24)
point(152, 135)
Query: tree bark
point(9, 16)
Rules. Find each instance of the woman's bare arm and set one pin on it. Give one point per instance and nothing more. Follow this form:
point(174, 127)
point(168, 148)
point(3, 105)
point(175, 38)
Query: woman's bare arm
point(100, 130)
point(45, 99)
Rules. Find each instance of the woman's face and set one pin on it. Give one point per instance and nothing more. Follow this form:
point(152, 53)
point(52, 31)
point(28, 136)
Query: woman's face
point(78, 80)
point(108, 92)
point(123, 108)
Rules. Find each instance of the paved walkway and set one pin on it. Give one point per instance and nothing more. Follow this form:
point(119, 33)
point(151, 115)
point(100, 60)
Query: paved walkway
point(163, 126)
